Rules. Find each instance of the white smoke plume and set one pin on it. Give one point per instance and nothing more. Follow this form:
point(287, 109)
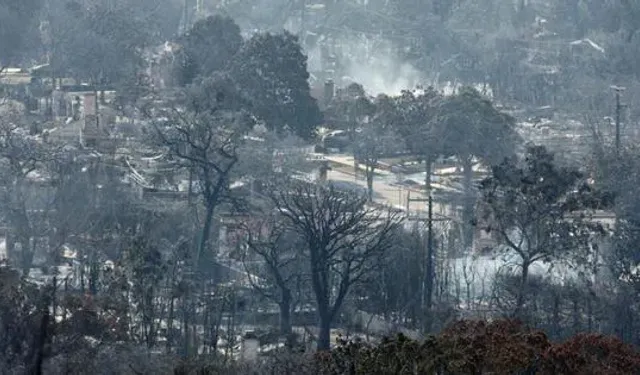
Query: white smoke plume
point(372, 62)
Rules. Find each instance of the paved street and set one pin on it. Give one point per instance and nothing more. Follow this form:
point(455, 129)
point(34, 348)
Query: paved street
point(385, 190)
point(348, 161)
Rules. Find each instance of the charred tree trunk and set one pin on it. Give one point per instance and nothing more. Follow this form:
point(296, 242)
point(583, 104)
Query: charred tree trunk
point(370, 169)
point(429, 272)
point(172, 301)
point(468, 202)
point(324, 332)
point(40, 343)
point(26, 254)
point(185, 328)
point(148, 319)
point(522, 289)
point(285, 313)
point(206, 230)
point(428, 171)
point(94, 274)
point(556, 314)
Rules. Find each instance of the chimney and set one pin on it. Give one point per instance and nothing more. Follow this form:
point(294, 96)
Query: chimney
point(329, 89)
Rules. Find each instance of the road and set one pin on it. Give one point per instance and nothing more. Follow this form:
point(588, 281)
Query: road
point(385, 191)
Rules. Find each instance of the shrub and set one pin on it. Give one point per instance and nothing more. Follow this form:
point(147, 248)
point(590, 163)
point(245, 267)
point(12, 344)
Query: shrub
point(592, 354)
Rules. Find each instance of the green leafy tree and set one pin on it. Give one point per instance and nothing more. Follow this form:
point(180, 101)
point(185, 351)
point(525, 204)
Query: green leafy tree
point(538, 212)
point(415, 120)
point(272, 71)
point(349, 108)
point(619, 175)
point(622, 178)
point(18, 29)
point(376, 139)
point(208, 47)
point(98, 43)
point(470, 127)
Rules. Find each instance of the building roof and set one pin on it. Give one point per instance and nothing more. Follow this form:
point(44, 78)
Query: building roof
point(15, 79)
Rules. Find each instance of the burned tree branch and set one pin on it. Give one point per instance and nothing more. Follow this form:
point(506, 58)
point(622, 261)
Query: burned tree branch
point(343, 238)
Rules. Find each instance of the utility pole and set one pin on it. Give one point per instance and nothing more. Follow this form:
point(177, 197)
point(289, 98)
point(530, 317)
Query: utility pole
point(430, 253)
point(618, 90)
point(427, 282)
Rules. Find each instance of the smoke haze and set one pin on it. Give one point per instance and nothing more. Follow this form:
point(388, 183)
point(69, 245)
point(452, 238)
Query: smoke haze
point(371, 62)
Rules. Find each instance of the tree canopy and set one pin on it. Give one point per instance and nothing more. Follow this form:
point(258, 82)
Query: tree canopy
point(209, 47)
point(96, 44)
point(18, 29)
point(468, 124)
point(539, 211)
point(343, 239)
point(272, 70)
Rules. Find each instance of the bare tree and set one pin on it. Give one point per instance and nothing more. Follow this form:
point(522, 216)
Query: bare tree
point(27, 200)
point(273, 263)
point(204, 131)
point(343, 239)
point(146, 271)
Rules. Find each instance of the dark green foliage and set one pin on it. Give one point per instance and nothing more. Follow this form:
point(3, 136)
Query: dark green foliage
point(414, 115)
point(269, 69)
point(272, 71)
point(18, 28)
point(209, 47)
point(469, 125)
point(349, 109)
point(538, 188)
point(619, 175)
point(217, 92)
point(99, 44)
point(538, 211)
